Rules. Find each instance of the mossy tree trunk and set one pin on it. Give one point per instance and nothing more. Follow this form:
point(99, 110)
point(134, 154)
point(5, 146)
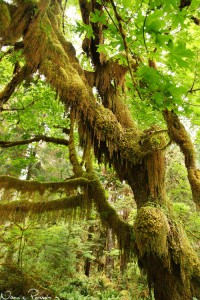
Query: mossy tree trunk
point(163, 251)
point(162, 248)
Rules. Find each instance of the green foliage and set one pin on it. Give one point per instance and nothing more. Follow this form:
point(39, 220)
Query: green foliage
point(98, 16)
point(55, 254)
point(84, 29)
point(178, 187)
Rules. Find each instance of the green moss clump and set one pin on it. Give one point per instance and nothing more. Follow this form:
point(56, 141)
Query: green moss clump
point(151, 231)
point(130, 146)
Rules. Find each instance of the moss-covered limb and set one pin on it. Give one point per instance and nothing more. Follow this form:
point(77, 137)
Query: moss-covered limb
point(167, 256)
point(42, 48)
point(30, 186)
point(87, 158)
point(179, 135)
point(109, 75)
point(23, 74)
point(67, 77)
point(77, 168)
point(17, 211)
point(20, 15)
point(111, 94)
point(5, 18)
point(110, 218)
point(48, 139)
point(93, 193)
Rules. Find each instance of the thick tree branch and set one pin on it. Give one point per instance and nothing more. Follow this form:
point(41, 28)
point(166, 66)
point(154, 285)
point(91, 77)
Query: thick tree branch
point(179, 135)
point(32, 186)
point(92, 193)
point(24, 73)
point(72, 87)
point(110, 218)
point(38, 138)
point(77, 168)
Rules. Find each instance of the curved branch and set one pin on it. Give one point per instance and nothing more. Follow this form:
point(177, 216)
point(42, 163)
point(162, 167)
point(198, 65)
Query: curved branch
point(110, 218)
point(77, 169)
point(104, 5)
point(31, 186)
point(179, 135)
point(24, 73)
point(93, 192)
point(38, 138)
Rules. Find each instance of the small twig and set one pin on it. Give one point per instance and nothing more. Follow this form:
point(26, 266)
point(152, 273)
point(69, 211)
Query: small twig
point(198, 105)
point(17, 109)
point(194, 81)
point(193, 90)
point(190, 232)
point(109, 14)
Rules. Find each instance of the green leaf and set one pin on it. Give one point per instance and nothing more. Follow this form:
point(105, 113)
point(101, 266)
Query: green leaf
point(150, 76)
point(154, 27)
point(159, 99)
point(98, 16)
point(179, 54)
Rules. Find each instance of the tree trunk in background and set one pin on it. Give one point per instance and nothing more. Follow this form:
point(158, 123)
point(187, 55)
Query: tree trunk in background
point(110, 244)
point(88, 260)
point(87, 266)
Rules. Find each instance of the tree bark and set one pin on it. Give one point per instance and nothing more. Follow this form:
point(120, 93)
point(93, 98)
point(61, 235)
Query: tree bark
point(163, 250)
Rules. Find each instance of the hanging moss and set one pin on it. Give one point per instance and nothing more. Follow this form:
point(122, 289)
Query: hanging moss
point(68, 207)
point(31, 188)
point(111, 219)
point(155, 164)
